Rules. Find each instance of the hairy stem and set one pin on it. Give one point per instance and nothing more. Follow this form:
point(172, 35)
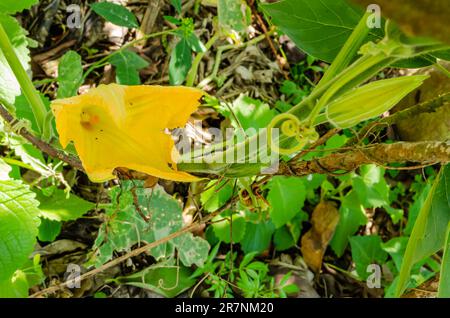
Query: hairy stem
point(37, 106)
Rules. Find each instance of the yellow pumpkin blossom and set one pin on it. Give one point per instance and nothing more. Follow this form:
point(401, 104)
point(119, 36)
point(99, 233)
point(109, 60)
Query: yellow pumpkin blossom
point(124, 126)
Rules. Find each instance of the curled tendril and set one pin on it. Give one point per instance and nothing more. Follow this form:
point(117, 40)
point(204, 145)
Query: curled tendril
point(291, 127)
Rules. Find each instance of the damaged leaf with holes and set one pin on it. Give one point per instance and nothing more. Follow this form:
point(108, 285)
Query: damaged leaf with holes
point(125, 227)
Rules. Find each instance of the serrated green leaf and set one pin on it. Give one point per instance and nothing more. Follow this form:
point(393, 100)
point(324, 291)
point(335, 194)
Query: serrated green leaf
point(13, 6)
point(9, 87)
point(352, 216)
point(59, 207)
point(70, 74)
point(366, 250)
point(18, 226)
point(286, 198)
point(128, 64)
point(180, 62)
point(115, 13)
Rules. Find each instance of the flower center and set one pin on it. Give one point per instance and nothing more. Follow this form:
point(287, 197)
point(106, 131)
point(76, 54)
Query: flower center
point(88, 120)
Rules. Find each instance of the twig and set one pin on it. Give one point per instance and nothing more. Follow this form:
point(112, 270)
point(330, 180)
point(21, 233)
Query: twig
point(133, 253)
point(38, 143)
point(269, 40)
point(427, 152)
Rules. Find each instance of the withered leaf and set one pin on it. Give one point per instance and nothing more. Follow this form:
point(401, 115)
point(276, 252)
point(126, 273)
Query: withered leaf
point(315, 242)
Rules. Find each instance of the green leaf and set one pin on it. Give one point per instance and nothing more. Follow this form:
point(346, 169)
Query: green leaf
point(177, 5)
point(429, 233)
point(18, 226)
point(125, 227)
point(415, 208)
point(128, 64)
point(352, 216)
point(115, 13)
point(70, 74)
point(168, 281)
point(370, 100)
point(282, 238)
point(371, 187)
point(15, 287)
point(248, 113)
point(59, 207)
point(9, 87)
point(257, 237)
point(367, 250)
point(217, 193)
point(310, 24)
point(14, 6)
point(286, 198)
point(30, 155)
point(191, 249)
point(29, 275)
point(444, 280)
point(195, 43)
point(227, 231)
point(287, 236)
point(180, 62)
point(49, 230)
point(396, 249)
point(24, 111)
point(232, 15)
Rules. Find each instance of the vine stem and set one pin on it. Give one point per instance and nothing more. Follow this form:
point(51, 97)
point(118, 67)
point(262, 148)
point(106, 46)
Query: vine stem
point(192, 75)
point(36, 103)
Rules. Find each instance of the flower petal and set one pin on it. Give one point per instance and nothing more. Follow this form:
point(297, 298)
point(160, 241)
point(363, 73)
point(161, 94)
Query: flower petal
point(118, 126)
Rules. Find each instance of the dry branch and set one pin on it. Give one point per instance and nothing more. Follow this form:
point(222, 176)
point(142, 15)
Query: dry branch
point(424, 153)
point(38, 143)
